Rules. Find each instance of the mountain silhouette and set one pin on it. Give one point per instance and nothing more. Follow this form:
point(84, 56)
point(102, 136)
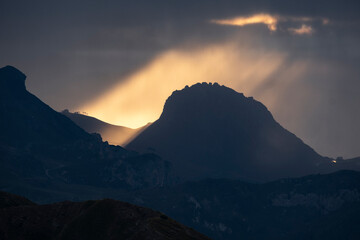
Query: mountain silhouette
point(102, 219)
point(115, 135)
point(208, 130)
point(26, 120)
point(41, 148)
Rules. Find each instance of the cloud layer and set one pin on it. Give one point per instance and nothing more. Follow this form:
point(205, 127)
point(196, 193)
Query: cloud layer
point(303, 30)
point(272, 22)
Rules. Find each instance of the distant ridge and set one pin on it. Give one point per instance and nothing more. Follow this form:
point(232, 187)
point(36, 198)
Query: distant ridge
point(115, 135)
point(318, 207)
point(208, 130)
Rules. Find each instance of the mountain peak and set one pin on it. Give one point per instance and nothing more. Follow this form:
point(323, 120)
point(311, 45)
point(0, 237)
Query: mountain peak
point(208, 90)
point(211, 100)
point(212, 131)
point(204, 87)
point(12, 79)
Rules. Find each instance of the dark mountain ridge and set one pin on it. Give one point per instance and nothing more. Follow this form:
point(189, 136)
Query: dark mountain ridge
point(102, 219)
point(26, 120)
point(208, 130)
point(40, 148)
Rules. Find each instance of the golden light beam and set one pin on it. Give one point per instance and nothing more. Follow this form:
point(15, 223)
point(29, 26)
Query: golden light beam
point(139, 99)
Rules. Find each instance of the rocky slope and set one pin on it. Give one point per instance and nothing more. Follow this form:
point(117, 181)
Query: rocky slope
point(102, 219)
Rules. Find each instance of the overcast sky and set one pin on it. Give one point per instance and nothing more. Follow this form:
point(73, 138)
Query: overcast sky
point(119, 60)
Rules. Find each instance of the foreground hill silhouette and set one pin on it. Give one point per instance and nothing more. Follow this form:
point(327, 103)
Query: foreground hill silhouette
point(40, 148)
point(208, 130)
point(115, 135)
point(102, 219)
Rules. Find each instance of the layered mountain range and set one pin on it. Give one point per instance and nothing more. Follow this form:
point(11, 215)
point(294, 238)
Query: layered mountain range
point(209, 136)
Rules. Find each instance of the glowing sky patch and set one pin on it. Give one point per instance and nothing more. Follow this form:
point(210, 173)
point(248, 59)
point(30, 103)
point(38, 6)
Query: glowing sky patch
point(303, 30)
point(325, 21)
point(267, 19)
